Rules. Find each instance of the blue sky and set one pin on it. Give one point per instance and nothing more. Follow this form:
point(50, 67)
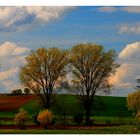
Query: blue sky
point(82, 24)
point(112, 27)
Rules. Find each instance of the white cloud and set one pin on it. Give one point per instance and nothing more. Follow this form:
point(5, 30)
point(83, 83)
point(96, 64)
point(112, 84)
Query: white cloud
point(128, 9)
point(107, 9)
point(12, 57)
point(131, 9)
point(133, 27)
point(21, 18)
point(129, 71)
point(10, 47)
point(130, 28)
point(8, 73)
point(131, 51)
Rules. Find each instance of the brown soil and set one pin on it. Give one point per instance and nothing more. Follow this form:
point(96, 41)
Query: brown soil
point(8, 103)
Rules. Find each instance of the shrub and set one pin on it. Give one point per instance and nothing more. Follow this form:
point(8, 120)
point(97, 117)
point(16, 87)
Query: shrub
point(26, 90)
point(21, 118)
point(45, 118)
point(78, 118)
point(137, 118)
point(135, 130)
point(108, 121)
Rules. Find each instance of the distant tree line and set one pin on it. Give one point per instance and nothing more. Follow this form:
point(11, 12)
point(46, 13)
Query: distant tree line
point(20, 92)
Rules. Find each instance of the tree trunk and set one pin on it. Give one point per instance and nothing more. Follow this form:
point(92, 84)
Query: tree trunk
point(47, 104)
point(87, 107)
point(87, 119)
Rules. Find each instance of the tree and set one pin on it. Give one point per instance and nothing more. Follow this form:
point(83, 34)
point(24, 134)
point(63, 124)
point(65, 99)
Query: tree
point(45, 69)
point(26, 90)
point(16, 92)
point(91, 68)
point(133, 103)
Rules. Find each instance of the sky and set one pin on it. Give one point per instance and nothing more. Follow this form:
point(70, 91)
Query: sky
point(23, 29)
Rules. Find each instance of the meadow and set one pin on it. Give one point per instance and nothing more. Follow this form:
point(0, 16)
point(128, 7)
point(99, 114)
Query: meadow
point(109, 114)
point(103, 105)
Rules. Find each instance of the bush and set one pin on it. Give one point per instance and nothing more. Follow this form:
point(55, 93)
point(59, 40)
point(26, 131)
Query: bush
point(135, 130)
point(108, 121)
point(137, 118)
point(78, 118)
point(21, 118)
point(26, 90)
point(45, 118)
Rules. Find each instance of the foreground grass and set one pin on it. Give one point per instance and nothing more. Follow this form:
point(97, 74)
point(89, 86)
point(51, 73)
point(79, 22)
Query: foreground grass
point(123, 129)
point(69, 120)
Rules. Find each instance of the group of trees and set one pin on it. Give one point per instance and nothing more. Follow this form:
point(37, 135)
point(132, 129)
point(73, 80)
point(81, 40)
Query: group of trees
point(19, 91)
point(88, 65)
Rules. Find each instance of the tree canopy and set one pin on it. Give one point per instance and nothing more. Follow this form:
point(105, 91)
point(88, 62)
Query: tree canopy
point(92, 66)
point(43, 72)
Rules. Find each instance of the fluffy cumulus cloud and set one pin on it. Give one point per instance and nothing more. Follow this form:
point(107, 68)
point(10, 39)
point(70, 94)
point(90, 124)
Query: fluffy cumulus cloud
point(21, 18)
point(12, 56)
point(129, 71)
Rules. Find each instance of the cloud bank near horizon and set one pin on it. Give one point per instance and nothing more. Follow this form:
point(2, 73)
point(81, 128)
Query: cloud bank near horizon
point(129, 71)
point(12, 56)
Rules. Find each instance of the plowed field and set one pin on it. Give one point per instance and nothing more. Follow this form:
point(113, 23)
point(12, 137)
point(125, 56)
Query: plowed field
point(9, 103)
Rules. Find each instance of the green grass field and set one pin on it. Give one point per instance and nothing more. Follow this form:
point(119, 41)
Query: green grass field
point(70, 105)
point(105, 110)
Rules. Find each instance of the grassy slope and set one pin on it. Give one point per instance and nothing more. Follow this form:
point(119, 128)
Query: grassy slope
point(106, 108)
point(69, 105)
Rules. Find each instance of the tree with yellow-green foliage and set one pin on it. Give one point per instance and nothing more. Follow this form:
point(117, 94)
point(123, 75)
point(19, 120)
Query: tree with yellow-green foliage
point(43, 73)
point(133, 103)
point(91, 68)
